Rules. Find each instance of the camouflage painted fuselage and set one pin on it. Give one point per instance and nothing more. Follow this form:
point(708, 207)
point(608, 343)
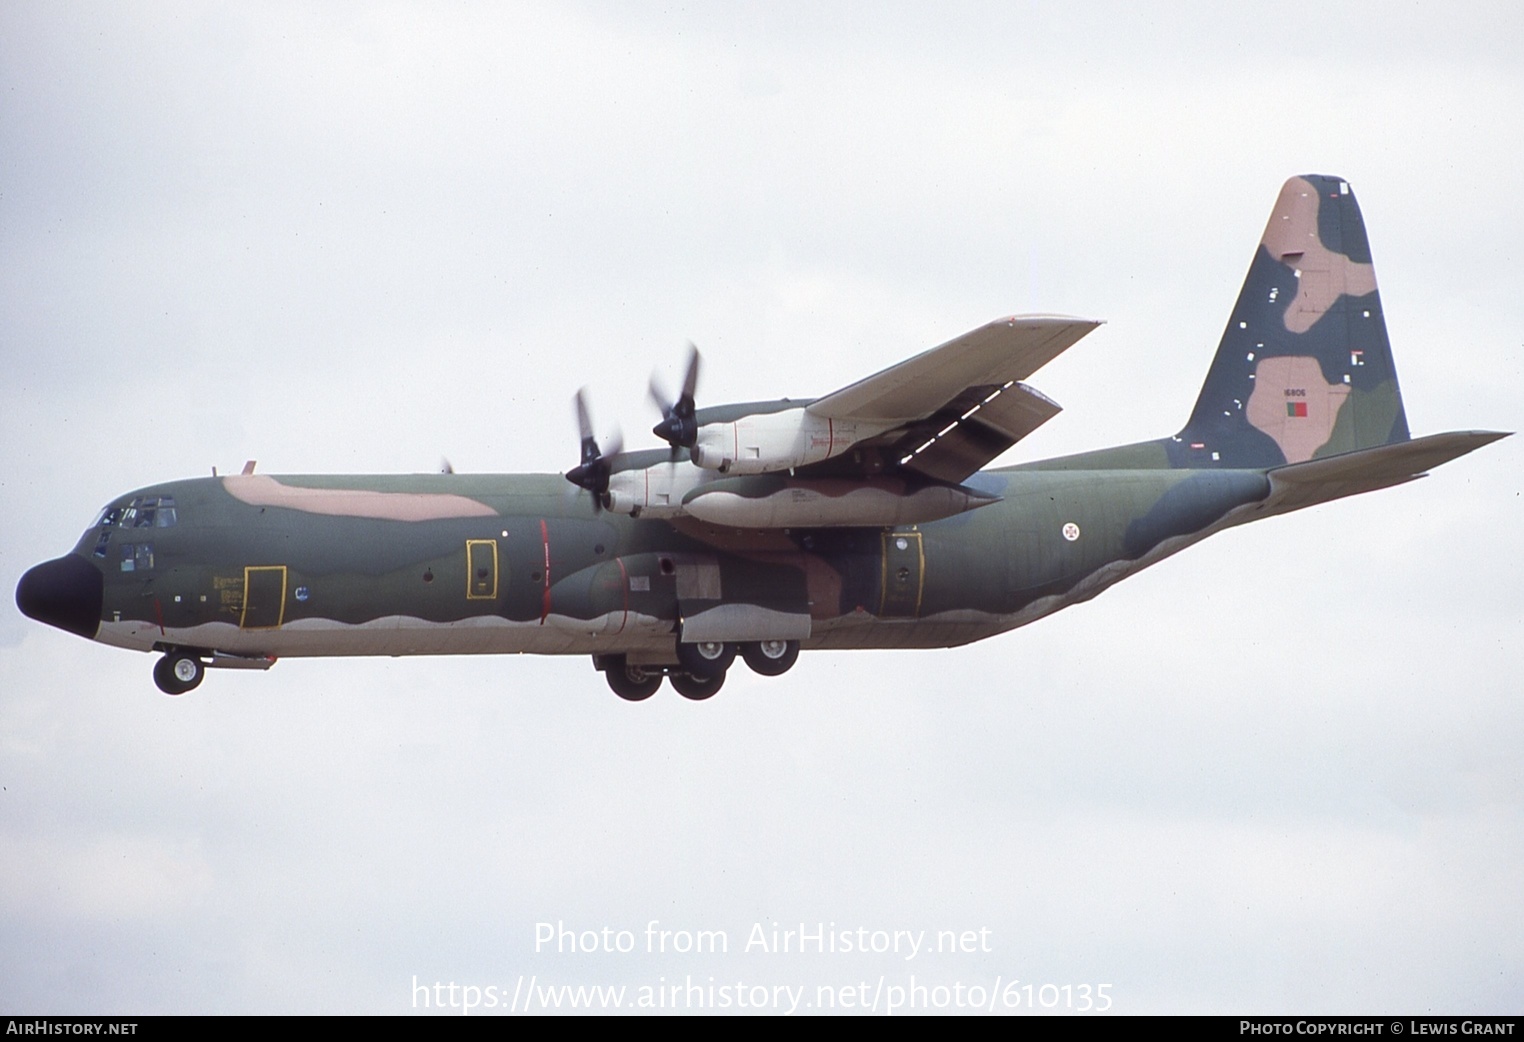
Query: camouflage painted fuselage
point(442, 564)
point(1300, 406)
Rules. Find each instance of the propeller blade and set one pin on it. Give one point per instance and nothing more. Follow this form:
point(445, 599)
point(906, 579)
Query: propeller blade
point(585, 428)
point(584, 423)
point(658, 396)
point(690, 382)
point(592, 473)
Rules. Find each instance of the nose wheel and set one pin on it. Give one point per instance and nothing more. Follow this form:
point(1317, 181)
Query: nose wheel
point(178, 672)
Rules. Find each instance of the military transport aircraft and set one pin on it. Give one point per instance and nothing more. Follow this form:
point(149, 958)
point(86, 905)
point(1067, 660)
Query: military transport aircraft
point(857, 520)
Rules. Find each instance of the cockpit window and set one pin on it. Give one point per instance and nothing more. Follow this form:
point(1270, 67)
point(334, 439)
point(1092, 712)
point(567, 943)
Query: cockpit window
point(141, 512)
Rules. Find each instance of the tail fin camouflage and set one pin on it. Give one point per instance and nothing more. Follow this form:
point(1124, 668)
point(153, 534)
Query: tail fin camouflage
point(1304, 369)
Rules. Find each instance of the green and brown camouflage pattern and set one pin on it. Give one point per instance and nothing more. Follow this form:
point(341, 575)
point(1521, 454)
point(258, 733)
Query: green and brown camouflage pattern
point(1307, 330)
point(1300, 405)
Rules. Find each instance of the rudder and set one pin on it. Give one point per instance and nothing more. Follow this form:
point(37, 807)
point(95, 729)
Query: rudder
point(1304, 369)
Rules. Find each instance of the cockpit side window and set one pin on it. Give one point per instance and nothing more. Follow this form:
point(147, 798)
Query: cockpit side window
point(141, 512)
point(137, 557)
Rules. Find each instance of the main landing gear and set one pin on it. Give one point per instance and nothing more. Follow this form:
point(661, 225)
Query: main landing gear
point(700, 670)
point(178, 672)
point(771, 658)
point(631, 683)
point(707, 659)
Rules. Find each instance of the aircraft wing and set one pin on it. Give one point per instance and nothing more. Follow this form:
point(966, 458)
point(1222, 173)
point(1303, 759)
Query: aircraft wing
point(1003, 351)
point(960, 405)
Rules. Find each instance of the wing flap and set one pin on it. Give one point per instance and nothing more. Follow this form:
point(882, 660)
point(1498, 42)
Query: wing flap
point(973, 429)
point(1014, 411)
point(1006, 350)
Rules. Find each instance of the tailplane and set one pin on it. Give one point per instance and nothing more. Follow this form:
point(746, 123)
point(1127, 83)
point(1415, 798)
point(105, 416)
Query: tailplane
point(1304, 369)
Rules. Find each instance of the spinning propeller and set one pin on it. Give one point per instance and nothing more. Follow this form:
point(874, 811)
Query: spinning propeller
point(678, 427)
point(593, 472)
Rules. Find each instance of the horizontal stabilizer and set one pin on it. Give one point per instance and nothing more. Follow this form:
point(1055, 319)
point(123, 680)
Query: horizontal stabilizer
point(1334, 477)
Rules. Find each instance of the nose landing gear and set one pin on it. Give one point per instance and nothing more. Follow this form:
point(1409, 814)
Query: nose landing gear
point(178, 672)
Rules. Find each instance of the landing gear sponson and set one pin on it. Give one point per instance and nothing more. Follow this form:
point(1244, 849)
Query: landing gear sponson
point(700, 670)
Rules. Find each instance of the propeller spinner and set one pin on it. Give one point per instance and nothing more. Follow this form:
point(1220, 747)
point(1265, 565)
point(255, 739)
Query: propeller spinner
point(678, 428)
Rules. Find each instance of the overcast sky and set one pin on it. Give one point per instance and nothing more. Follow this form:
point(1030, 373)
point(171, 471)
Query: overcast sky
point(1279, 772)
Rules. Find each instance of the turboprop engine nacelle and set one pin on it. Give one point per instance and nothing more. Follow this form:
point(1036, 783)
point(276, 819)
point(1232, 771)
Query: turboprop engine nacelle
point(763, 442)
point(656, 490)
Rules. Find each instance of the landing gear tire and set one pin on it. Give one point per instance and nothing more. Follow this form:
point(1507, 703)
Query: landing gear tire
point(706, 658)
point(696, 688)
point(631, 683)
point(771, 658)
point(178, 672)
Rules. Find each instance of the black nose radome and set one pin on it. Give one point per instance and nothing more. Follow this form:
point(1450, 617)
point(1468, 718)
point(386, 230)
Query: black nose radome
point(66, 593)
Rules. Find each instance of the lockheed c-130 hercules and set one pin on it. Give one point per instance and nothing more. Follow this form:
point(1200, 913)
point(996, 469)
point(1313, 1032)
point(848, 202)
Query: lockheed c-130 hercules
point(857, 520)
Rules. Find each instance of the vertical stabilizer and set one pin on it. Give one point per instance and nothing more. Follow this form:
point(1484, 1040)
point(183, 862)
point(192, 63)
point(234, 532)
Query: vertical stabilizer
point(1304, 369)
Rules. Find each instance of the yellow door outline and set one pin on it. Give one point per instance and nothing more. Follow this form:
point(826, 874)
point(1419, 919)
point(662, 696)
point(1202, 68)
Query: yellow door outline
point(280, 615)
point(479, 588)
point(891, 546)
